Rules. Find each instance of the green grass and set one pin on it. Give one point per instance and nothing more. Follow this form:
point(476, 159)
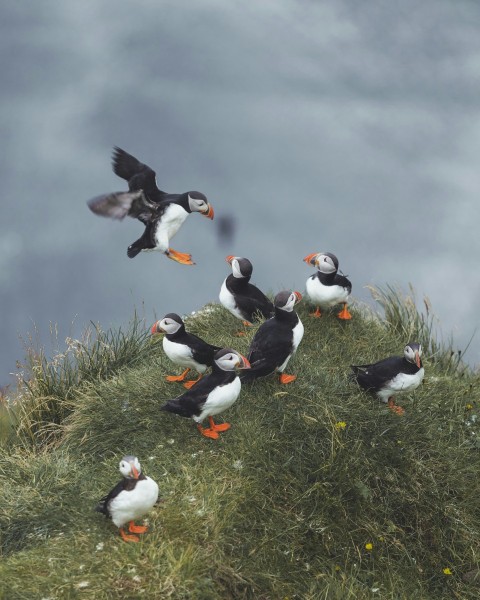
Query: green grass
point(282, 505)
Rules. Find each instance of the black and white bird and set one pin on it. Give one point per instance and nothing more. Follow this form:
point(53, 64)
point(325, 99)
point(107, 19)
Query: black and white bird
point(162, 214)
point(327, 288)
point(213, 394)
point(276, 340)
point(244, 300)
point(130, 499)
point(183, 348)
point(392, 376)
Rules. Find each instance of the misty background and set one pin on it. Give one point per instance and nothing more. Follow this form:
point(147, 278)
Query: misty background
point(341, 126)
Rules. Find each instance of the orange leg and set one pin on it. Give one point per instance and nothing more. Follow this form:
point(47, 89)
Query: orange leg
point(242, 333)
point(180, 377)
point(284, 378)
point(210, 433)
point(317, 313)
point(180, 257)
point(128, 538)
point(394, 408)
point(344, 314)
point(219, 427)
point(132, 528)
point(192, 382)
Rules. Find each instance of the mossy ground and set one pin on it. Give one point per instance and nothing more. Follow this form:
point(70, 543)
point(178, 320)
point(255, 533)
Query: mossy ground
point(282, 506)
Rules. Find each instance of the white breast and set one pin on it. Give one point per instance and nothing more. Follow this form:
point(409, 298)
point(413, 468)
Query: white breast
point(133, 504)
point(220, 399)
point(402, 384)
point(325, 295)
point(297, 332)
point(228, 301)
point(181, 354)
point(171, 221)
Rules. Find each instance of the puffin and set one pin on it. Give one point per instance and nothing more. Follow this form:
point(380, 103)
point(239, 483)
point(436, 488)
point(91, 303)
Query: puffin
point(392, 376)
point(160, 212)
point(244, 300)
point(183, 348)
point(276, 340)
point(213, 394)
point(130, 499)
point(327, 288)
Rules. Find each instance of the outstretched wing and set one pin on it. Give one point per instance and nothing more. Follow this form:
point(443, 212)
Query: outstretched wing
point(118, 205)
point(138, 175)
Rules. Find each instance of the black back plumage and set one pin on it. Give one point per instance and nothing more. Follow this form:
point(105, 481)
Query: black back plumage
point(251, 301)
point(202, 352)
point(376, 376)
point(335, 278)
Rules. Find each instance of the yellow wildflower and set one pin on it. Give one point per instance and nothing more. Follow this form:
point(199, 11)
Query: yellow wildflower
point(369, 546)
point(337, 568)
point(469, 406)
point(447, 571)
point(340, 425)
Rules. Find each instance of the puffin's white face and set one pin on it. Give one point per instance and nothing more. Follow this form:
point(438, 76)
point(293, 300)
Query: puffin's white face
point(325, 264)
point(198, 203)
point(292, 299)
point(130, 467)
point(412, 353)
point(231, 360)
point(286, 301)
point(169, 326)
point(236, 271)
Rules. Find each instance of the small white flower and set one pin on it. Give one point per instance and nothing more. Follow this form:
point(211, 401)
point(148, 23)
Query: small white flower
point(137, 578)
point(200, 512)
point(82, 584)
point(192, 499)
point(99, 546)
point(238, 465)
point(151, 457)
point(375, 590)
point(171, 441)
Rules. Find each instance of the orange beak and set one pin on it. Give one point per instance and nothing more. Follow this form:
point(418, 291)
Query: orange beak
point(134, 471)
point(310, 259)
point(298, 295)
point(244, 362)
point(156, 328)
point(209, 213)
point(229, 258)
point(417, 359)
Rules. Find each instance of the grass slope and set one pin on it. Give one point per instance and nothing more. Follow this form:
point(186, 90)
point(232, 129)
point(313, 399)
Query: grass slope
point(283, 506)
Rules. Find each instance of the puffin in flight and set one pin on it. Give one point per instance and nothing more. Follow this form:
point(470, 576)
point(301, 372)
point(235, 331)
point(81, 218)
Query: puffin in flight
point(130, 499)
point(276, 340)
point(183, 348)
point(213, 394)
point(160, 212)
point(244, 300)
point(327, 288)
point(392, 376)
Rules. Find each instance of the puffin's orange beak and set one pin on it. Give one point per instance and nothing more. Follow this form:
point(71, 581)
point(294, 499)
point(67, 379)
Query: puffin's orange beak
point(244, 362)
point(310, 259)
point(209, 213)
point(135, 473)
point(156, 328)
point(229, 258)
point(298, 295)
point(417, 359)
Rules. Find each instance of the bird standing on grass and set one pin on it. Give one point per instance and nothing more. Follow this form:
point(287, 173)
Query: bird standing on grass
point(183, 348)
point(213, 394)
point(160, 212)
point(276, 340)
point(244, 300)
point(327, 288)
point(392, 376)
point(130, 499)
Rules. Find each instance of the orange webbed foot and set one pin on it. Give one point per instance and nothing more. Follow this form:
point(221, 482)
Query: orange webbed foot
point(317, 313)
point(191, 383)
point(284, 378)
point(210, 433)
point(219, 427)
point(239, 334)
point(180, 377)
point(180, 257)
point(136, 528)
point(398, 410)
point(344, 314)
point(128, 538)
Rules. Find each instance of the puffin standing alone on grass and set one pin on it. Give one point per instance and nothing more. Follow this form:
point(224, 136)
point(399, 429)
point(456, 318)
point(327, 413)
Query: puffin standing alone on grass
point(244, 300)
point(393, 375)
point(213, 394)
point(327, 288)
point(160, 212)
point(276, 340)
point(183, 348)
point(130, 499)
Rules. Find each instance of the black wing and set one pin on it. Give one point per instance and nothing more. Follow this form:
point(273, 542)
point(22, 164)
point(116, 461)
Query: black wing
point(342, 281)
point(269, 349)
point(103, 503)
point(118, 205)
point(256, 302)
point(190, 403)
point(376, 375)
point(138, 175)
point(203, 352)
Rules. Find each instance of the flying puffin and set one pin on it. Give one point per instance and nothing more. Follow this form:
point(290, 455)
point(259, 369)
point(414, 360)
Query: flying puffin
point(276, 340)
point(183, 348)
point(161, 213)
point(130, 499)
point(213, 394)
point(393, 375)
point(327, 288)
point(240, 297)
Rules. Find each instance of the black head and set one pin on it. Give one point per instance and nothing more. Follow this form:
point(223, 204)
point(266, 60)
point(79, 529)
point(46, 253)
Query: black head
point(228, 359)
point(286, 300)
point(197, 202)
point(241, 267)
point(170, 324)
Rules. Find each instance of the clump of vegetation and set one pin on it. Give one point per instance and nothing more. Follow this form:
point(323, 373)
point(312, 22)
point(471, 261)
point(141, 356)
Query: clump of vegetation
point(317, 490)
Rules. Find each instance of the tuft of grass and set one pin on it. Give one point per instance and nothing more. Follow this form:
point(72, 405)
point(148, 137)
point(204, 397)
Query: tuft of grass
point(317, 491)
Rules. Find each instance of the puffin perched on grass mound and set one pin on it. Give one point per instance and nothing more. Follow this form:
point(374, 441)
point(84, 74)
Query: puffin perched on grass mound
point(244, 300)
point(276, 340)
point(392, 376)
point(327, 288)
point(183, 348)
point(213, 394)
point(130, 499)
point(160, 212)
